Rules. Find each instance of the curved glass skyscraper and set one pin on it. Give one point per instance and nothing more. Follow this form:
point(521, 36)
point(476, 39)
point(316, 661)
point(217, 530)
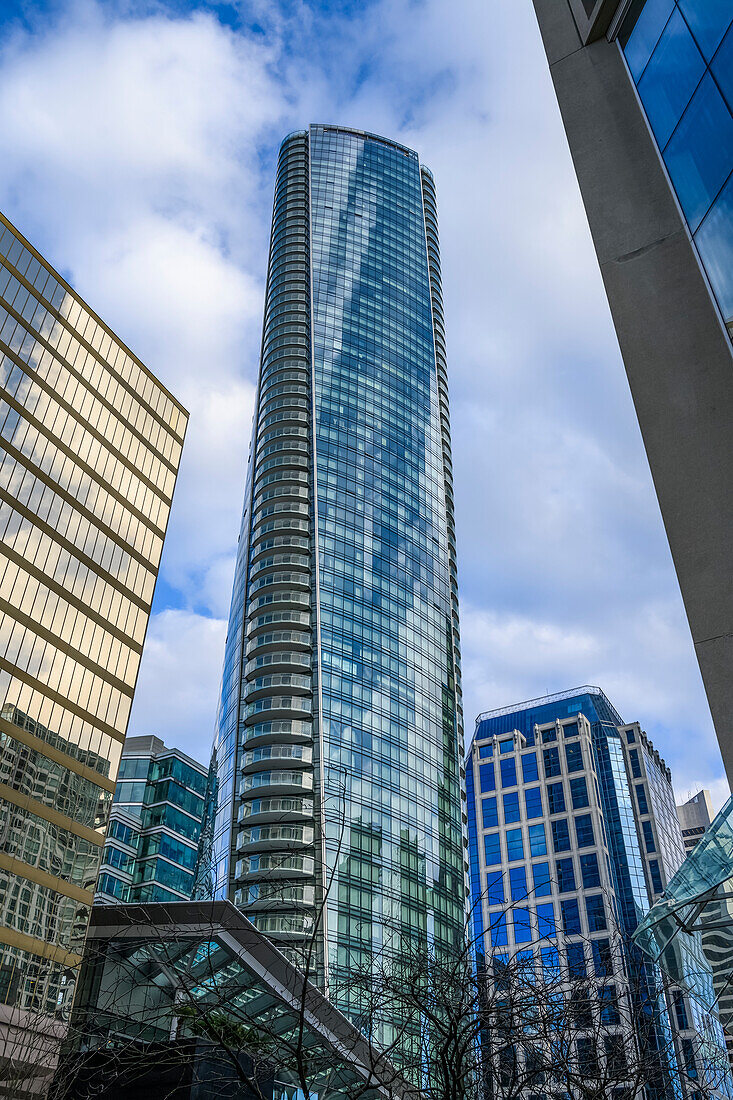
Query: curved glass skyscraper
point(336, 779)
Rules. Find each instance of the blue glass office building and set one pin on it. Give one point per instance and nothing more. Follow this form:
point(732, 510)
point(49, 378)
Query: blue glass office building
point(336, 777)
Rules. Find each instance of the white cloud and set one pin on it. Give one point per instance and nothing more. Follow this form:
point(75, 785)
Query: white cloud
point(174, 698)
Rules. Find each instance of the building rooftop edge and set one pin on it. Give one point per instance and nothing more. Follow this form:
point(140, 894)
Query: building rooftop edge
point(75, 294)
point(543, 700)
point(365, 134)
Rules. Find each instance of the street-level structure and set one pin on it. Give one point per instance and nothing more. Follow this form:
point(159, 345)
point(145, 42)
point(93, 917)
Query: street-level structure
point(336, 777)
point(90, 444)
point(645, 89)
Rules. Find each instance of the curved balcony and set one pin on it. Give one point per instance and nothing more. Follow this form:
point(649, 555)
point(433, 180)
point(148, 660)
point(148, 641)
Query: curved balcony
point(264, 897)
point(287, 731)
point(292, 755)
point(291, 559)
point(286, 925)
point(278, 706)
point(278, 661)
point(262, 643)
point(275, 809)
point(275, 865)
point(297, 683)
point(263, 837)
point(284, 781)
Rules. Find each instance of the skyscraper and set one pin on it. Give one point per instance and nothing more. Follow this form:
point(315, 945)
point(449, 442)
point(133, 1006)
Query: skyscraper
point(154, 825)
point(89, 451)
point(645, 88)
point(695, 816)
point(337, 764)
point(573, 835)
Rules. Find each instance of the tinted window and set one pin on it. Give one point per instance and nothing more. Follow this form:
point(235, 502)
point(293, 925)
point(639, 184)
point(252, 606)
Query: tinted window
point(698, 156)
point(670, 78)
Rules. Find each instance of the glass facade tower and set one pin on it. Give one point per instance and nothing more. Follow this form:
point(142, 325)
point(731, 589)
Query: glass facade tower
point(90, 444)
point(336, 776)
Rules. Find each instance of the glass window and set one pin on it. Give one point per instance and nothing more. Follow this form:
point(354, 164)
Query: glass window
point(602, 958)
point(635, 765)
point(509, 772)
point(680, 1010)
point(541, 879)
point(699, 156)
point(722, 67)
point(549, 735)
point(514, 846)
point(609, 1007)
point(522, 926)
point(551, 760)
point(642, 31)
point(641, 799)
point(533, 802)
point(560, 835)
point(596, 913)
point(518, 883)
point(546, 920)
point(674, 71)
point(630, 737)
point(714, 240)
point(570, 916)
point(565, 875)
point(579, 792)
point(577, 968)
point(530, 774)
point(656, 877)
point(133, 767)
point(590, 870)
point(584, 831)
point(648, 836)
point(555, 798)
point(497, 930)
point(492, 849)
point(489, 813)
point(574, 756)
point(537, 840)
point(708, 20)
point(506, 746)
point(485, 752)
point(511, 807)
point(486, 775)
point(495, 888)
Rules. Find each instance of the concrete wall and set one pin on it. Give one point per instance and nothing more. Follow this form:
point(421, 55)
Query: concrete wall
point(678, 357)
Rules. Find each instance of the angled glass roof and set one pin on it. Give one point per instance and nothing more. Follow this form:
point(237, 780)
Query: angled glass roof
point(689, 931)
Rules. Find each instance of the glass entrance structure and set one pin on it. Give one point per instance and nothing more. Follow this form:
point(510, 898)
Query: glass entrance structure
point(336, 780)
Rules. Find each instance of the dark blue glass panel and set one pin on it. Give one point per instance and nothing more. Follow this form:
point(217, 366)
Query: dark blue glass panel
point(497, 927)
point(489, 813)
point(537, 840)
point(565, 875)
point(670, 78)
point(522, 927)
point(560, 835)
point(570, 912)
point(590, 870)
point(486, 777)
point(533, 802)
point(495, 888)
point(546, 920)
point(645, 35)
point(541, 879)
point(722, 67)
point(511, 808)
point(529, 767)
point(584, 831)
point(514, 845)
point(714, 240)
point(708, 20)
point(518, 883)
point(509, 772)
point(579, 792)
point(492, 849)
point(699, 155)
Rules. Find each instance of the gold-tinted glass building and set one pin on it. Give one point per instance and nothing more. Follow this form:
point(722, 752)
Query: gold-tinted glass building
point(90, 444)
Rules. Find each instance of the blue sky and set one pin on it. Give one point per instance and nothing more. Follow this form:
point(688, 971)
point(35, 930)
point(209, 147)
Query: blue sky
point(137, 152)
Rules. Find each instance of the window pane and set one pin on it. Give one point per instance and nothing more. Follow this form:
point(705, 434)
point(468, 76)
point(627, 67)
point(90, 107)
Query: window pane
point(546, 920)
point(574, 756)
point(699, 156)
point(590, 871)
point(579, 792)
point(722, 67)
point(560, 835)
point(670, 78)
point(518, 883)
point(541, 879)
point(537, 841)
point(511, 807)
point(495, 888)
point(530, 773)
point(708, 20)
point(514, 846)
point(565, 875)
point(533, 802)
point(522, 928)
point(486, 775)
point(492, 849)
point(509, 772)
point(555, 798)
point(714, 240)
point(489, 812)
point(639, 42)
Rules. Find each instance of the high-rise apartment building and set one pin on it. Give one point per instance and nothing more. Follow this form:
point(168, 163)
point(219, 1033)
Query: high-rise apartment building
point(645, 88)
point(338, 758)
point(695, 816)
point(89, 448)
point(573, 835)
point(154, 825)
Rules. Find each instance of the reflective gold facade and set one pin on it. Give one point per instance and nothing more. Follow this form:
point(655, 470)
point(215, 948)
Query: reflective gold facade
point(89, 449)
